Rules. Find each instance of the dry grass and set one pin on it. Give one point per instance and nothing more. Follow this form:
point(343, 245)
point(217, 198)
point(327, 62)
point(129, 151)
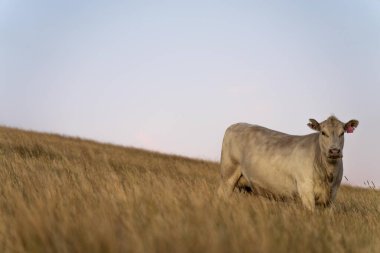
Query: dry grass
point(68, 195)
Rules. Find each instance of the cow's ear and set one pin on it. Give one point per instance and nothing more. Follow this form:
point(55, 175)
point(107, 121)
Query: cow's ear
point(313, 124)
point(350, 126)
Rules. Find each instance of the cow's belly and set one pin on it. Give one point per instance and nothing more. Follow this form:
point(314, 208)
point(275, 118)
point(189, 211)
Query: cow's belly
point(274, 181)
point(279, 172)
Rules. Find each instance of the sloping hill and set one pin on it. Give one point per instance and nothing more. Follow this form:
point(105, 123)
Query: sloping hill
point(60, 194)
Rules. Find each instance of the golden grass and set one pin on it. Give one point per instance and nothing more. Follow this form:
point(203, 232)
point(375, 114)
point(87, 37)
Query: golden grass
point(62, 194)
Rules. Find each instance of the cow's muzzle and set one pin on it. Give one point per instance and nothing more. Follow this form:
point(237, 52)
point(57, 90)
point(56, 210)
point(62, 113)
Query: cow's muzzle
point(335, 153)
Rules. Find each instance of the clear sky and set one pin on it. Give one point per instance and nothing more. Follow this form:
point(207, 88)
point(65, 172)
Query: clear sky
point(171, 76)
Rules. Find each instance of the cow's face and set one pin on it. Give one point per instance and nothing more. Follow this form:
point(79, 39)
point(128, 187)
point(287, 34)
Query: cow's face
point(331, 136)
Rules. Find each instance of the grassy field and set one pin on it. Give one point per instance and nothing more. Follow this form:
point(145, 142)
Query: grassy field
point(61, 194)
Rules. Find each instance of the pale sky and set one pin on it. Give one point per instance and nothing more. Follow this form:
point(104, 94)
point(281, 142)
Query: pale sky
point(171, 76)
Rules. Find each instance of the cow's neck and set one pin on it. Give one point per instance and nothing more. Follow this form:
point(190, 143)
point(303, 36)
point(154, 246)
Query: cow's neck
point(324, 170)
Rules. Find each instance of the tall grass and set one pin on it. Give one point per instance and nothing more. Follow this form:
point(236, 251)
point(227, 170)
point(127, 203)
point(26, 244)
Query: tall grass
point(60, 194)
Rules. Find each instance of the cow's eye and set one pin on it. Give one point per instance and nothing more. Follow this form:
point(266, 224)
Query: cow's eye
point(324, 134)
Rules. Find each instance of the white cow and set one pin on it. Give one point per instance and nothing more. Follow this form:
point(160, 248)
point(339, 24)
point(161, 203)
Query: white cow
point(283, 165)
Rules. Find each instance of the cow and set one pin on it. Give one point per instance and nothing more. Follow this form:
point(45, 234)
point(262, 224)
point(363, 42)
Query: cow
point(308, 167)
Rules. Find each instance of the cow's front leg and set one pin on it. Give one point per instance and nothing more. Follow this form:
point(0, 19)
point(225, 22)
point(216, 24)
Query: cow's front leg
point(306, 193)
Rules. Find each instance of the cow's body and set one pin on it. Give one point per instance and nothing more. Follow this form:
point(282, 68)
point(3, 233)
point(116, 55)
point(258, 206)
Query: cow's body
point(280, 164)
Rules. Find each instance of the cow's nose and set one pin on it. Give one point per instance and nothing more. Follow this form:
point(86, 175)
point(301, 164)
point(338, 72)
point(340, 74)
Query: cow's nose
point(334, 151)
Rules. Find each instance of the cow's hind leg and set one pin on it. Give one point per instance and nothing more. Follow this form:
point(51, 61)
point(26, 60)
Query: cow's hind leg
point(231, 174)
point(244, 185)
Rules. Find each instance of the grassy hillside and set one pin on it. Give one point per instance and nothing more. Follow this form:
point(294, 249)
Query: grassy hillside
point(69, 195)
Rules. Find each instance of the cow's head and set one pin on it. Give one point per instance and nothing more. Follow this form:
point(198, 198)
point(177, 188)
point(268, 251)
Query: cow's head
point(331, 136)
